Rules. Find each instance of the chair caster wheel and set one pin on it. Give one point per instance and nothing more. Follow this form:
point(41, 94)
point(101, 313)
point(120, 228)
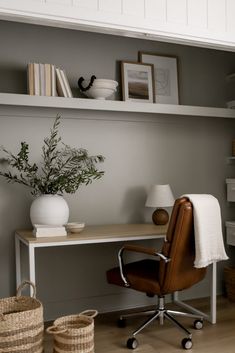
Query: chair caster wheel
point(198, 324)
point(121, 322)
point(186, 343)
point(132, 343)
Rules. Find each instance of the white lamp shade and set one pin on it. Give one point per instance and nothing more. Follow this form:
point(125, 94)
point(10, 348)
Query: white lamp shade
point(160, 196)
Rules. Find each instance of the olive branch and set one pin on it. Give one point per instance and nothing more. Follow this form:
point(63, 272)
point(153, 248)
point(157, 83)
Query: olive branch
point(63, 169)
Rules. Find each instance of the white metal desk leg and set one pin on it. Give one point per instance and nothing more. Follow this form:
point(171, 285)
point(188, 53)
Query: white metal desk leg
point(18, 262)
point(32, 277)
point(213, 293)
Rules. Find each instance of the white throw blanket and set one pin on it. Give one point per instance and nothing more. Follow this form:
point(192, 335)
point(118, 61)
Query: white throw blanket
point(209, 243)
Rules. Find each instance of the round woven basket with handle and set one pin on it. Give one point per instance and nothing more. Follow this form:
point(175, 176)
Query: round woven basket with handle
point(74, 333)
point(21, 323)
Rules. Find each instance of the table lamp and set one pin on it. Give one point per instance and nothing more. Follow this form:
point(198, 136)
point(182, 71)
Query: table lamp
point(160, 196)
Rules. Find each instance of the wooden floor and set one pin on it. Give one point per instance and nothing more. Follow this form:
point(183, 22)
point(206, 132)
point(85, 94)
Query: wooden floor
point(218, 338)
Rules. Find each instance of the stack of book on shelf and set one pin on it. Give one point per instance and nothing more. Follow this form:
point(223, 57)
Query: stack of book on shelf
point(47, 80)
point(41, 230)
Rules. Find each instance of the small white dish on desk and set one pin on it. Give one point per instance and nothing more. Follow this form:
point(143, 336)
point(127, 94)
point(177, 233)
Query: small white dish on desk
point(74, 227)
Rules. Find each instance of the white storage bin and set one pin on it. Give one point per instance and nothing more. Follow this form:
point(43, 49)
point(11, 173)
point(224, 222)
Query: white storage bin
point(230, 189)
point(230, 233)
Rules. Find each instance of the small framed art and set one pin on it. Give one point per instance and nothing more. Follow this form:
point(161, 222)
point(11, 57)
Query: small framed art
point(137, 82)
point(166, 76)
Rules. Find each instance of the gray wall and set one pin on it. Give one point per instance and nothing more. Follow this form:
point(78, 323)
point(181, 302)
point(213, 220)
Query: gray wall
point(140, 149)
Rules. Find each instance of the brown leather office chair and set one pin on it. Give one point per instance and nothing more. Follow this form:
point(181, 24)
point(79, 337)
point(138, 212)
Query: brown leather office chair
point(173, 270)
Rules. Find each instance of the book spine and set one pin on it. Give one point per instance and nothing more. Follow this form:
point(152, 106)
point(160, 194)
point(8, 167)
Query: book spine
point(48, 79)
point(60, 84)
point(36, 79)
point(66, 83)
point(49, 234)
point(30, 73)
point(42, 79)
point(53, 82)
point(49, 231)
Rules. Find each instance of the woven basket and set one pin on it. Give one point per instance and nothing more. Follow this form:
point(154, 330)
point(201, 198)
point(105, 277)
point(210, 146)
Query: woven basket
point(229, 274)
point(74, 333)
point(21, 323)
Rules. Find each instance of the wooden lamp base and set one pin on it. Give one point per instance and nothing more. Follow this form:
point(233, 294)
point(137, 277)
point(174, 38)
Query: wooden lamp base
point(160, 216)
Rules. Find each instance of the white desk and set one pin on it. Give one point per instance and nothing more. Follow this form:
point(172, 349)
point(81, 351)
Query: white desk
point(96, 235)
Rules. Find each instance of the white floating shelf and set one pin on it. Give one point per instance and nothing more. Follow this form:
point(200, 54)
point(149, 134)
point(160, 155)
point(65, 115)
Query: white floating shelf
point(24, 100)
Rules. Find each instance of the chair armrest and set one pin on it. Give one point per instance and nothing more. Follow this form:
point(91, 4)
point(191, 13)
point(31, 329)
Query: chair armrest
point(139, 249)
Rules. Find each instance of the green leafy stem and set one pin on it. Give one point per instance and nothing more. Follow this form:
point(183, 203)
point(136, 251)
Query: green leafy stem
point(61, 170)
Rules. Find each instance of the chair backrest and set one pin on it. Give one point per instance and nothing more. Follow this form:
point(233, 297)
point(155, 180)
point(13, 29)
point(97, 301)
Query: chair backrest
point(180, 272)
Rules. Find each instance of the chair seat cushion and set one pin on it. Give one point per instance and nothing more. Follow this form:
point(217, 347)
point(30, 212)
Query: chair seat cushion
point(142, 276)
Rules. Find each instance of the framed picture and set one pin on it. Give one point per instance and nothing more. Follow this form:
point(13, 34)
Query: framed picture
point(137, 82)
point(166, 76)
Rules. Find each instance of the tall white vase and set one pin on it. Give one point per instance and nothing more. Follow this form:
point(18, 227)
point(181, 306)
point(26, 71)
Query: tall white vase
point(49, 210)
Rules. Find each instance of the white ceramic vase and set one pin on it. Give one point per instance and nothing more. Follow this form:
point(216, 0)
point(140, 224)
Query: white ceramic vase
point(49, 210)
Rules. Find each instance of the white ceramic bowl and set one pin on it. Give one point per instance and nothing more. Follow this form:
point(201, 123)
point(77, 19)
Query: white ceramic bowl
point(74, 227)
point(101, 88)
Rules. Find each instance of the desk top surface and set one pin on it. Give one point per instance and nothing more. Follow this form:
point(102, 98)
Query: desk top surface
point(98, 234)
